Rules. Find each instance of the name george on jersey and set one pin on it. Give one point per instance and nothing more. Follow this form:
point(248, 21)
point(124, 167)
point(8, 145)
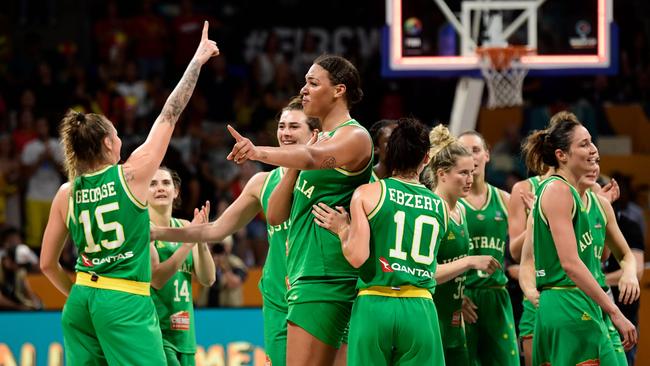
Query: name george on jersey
point(413, 200)
point(97, 194)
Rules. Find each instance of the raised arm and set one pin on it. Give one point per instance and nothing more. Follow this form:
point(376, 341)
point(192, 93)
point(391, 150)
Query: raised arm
point(350, 147)
point(235, 217)
point(626, 278)
point(54, 237)
point(281, 199)
point(517, 219)
point(557, 205)
point(145, 160)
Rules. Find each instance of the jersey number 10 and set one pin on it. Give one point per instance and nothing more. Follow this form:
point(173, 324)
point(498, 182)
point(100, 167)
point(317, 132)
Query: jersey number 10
point(420, 221)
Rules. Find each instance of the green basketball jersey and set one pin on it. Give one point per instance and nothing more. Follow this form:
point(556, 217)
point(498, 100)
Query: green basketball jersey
point(454, 246)
point(406, 229)
point(598, 224)
point(273, 282)
point(174, 300)
point(549, 272)
point(313, 250)
point(488, 229)
point(109, 227)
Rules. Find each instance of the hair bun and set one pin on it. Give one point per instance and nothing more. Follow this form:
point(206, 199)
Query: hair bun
point(80, 118)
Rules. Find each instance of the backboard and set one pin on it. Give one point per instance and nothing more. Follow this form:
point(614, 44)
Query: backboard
point(439, 37)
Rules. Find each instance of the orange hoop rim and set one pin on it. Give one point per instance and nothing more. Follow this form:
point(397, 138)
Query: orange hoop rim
point(501, 57)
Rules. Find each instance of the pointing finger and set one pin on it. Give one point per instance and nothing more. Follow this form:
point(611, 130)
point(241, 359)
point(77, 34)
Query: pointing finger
point(234, 133)
point(206, 26)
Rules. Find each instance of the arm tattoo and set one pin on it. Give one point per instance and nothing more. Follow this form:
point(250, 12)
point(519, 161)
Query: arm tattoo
point(181, 95)
point(329, 163)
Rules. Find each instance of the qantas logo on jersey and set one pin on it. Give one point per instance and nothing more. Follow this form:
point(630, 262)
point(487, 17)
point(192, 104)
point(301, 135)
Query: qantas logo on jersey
point(85, 261)
point(109, 259)
point(385, 266)
point(396, 267)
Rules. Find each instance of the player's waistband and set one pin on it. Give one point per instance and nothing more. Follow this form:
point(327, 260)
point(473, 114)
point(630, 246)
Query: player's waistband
point(496, 287)
point(401, 291)
point(558, 288)
point(117, 284)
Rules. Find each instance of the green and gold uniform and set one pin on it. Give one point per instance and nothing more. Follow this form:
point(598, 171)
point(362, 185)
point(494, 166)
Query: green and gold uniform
point(598, 222)
point(527, 320)
point(492, 340)
point(569, 327)
point(174, 306)
point(321, 281)
point(449, 296)
point(394, 319)
point(109, 316)
point(274, 278)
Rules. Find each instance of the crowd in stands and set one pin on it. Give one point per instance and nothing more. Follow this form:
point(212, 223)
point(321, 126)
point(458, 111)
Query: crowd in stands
point(134, 52)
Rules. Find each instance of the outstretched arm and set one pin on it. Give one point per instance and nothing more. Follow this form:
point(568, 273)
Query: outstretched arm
point(235, 217)
point(143, 163)
point(350, 147)
point(449, 271)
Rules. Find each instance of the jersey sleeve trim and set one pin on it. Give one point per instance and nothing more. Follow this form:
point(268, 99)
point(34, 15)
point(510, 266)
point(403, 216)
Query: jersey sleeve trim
point(133, 199)
point(382, 197)
point(266, 183)
point(70, 213)
point(499, 198)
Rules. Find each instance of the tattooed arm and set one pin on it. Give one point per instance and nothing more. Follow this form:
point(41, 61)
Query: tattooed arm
point(349, 148)
point(143, 163)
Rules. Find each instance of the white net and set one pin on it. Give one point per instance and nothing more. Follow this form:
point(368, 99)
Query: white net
point(504, 75)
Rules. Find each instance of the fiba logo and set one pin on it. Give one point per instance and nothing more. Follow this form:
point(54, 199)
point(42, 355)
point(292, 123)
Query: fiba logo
point(413, 27)
point(583, 30)
point(412, 32)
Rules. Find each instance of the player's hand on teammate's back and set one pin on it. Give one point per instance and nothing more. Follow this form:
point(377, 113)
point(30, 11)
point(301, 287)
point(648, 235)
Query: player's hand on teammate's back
point(485, 263)
point(336, 221)
point(629, 289)
point(244, 148)
point(469, 310)
point(207, 47)
point(625, 328)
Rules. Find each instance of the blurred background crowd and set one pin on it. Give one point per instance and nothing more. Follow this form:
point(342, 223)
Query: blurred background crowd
point(121, 59)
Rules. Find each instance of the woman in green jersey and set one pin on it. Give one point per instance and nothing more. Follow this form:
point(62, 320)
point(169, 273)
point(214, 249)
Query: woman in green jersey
point(320, 280)
point(294, 127)
point(523, 195)
point(452, 167)
point(487, 310)
point(569, 327)
point(172, 266)
point(396, 228)
point(109, 316)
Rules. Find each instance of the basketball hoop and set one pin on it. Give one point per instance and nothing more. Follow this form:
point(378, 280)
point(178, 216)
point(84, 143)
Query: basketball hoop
point(504, 74)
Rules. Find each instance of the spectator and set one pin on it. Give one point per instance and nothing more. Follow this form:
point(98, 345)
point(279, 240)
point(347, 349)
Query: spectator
point(42, 160)
point(231, 274)
point(15, 292)
point(626, 204)
point(9, 176)
point(25, 257)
